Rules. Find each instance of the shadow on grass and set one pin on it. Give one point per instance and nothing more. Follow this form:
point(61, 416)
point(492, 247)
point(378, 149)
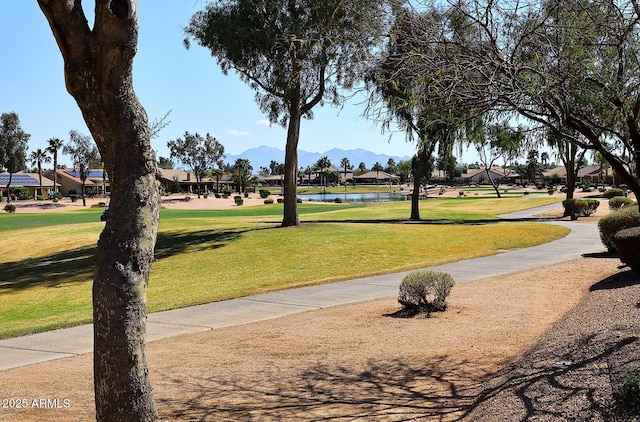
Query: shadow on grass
point(76, 265)
point(421, 222)
point(400, 389)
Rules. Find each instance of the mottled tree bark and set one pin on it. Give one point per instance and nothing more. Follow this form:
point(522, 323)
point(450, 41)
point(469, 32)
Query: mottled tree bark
point(290, 215)
point(98, 74)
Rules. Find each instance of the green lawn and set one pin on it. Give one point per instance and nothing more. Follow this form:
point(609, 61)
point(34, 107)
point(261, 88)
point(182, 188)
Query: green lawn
point(202, 256)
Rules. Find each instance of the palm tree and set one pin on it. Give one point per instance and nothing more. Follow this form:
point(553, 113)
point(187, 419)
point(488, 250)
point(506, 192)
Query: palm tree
point(544, 159)
point(322, 164)
point(243, 167)
point(377, 167)
point(54, 146)
point(346, 165)
point(38, 157)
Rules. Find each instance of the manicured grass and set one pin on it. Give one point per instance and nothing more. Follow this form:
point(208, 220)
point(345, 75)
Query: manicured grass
point(202, 256)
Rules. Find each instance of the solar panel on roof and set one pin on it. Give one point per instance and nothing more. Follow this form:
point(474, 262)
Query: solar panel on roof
point(93, 174)
point(18, 179)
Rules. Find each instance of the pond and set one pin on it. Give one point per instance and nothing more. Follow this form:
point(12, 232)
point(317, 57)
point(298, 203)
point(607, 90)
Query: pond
point(356, 197)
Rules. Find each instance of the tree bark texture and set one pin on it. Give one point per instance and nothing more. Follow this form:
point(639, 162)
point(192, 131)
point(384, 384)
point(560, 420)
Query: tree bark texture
point(290, 215)
point(98, 74)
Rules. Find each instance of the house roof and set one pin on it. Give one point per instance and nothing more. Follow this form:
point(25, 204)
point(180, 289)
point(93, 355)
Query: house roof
point(588, 170)
point(25, 179)
point(499, 171)
point(381, 175)
point(559, 171)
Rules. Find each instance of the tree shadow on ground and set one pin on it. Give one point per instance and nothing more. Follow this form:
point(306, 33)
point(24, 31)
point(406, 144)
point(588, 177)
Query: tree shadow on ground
point(379, 390)
point(436, 222)
point(574, 370)
point(76, 265)
point(525, 389)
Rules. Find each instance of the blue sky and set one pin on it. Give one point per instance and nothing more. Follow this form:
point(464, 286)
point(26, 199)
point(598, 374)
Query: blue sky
point(166, 77)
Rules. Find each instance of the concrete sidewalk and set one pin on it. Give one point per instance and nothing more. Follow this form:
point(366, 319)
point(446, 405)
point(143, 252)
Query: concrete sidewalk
point(27, 350)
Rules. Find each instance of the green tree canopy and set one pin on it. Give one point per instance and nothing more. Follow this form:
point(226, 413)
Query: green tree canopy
point(296, 54)
point(199, 155)
point(13, 146)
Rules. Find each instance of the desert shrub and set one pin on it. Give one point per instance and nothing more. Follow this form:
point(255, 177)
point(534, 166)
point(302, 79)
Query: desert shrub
point(613, 192)
point(618, 202)
point(39, 198)
point(627, 242)
point(264, 193)
point(338, 200)
point(268, 201)
point(425, 291)
point(628, 395)
point(299, 200)
point(73, 191)
point(611, 224)
point(280, 200)
point(10, 208)
point(238, 200)
point(580, 207)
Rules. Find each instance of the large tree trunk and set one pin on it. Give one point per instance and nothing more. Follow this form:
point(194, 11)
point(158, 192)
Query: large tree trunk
point(290, 216)
point(98, 74)
point(418, 173)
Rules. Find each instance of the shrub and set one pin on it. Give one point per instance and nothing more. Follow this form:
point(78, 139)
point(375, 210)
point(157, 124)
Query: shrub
point(10, 208)
point(425, 291)
point(613, 192)
point(628, 396)
point(280, 201)
point(338, 200)
point(580, 207)
point(264, 193)
point(73, 191)
point(618, 202)
point(268, 201)
point(238, 200)
point(39, 198)
point(626, 242)
point(611, 224)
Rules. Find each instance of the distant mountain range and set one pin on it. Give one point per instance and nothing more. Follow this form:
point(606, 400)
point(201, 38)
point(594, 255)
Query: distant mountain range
point(262, 157)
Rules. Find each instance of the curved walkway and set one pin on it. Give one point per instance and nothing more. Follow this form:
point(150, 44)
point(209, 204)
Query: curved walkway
point(27, 350)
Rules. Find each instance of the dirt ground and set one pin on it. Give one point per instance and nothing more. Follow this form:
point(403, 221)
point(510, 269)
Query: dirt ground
point(536, 345)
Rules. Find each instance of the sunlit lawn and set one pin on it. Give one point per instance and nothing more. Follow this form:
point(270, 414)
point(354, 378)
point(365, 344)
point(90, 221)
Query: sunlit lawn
point(203, 256)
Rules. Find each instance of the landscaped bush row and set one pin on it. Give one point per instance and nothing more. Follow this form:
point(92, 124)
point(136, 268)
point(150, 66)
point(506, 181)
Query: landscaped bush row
point(611, 224)
point(580, 207)
point(618, 202)
point(613, 192)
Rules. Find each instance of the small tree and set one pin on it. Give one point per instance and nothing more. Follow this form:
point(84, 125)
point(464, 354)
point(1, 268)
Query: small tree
point(38, 157)
point(13, 146)
point(295, 54)
point(377, 167)
point(84, 154)
point(198, 154)
point(55, 144)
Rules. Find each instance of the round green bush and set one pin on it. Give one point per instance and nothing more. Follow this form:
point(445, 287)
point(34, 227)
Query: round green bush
point(618, 202)
point(611, 224)
point(268, 201)
point(613, 192)
point(580, 207)
point(627, 242)
point(264, 193)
